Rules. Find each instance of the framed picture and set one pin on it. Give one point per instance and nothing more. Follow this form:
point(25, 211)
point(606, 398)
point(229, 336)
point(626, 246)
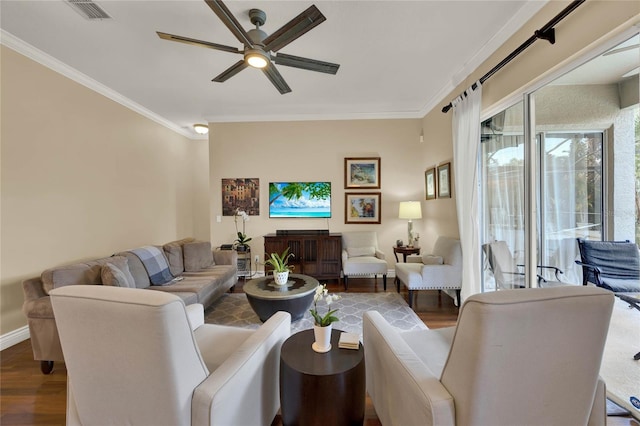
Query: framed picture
point(362, 173)
point(362, 207)
point(444, 180)
point(430, 184)
point(241, 194)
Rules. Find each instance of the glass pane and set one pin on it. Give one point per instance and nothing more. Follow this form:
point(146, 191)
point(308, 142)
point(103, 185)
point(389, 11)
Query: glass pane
point(502, 199)
point(586, 122)
point(570, 200)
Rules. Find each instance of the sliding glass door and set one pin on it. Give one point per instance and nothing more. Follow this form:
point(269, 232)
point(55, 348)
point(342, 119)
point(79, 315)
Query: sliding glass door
point(502, 199)
point(570, 199)
point(562, 164)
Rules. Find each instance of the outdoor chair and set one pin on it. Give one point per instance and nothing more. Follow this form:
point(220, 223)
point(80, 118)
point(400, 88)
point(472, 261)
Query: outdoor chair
point(614, 265)
point(515, 357)
point(140, 357)
point(507, 273)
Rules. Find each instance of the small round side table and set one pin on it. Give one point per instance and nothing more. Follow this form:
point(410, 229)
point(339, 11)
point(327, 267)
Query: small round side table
point(321, 389)
point(405, 251)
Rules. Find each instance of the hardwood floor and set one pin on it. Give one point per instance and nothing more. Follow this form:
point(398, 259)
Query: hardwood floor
point(29, 397)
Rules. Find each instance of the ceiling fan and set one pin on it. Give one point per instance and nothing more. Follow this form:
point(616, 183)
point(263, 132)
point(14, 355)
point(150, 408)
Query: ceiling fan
point(259, 47)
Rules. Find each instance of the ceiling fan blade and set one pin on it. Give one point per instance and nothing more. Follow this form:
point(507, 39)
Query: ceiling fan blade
point(306, 63)
point(299, 25)
point(231, 71)
point(230, 21)
point(194, 42)
point(274, 76)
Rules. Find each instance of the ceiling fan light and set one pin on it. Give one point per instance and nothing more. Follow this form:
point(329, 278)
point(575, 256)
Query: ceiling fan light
point(201, 129)
point(256, 58)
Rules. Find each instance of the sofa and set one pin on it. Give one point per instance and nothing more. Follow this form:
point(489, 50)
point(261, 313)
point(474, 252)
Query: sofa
point(203, 275)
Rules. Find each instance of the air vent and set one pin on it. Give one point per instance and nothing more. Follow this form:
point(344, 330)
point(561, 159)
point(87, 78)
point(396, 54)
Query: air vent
point(88, 9)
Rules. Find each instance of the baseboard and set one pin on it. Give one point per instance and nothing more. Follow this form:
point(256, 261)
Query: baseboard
point(14, 337)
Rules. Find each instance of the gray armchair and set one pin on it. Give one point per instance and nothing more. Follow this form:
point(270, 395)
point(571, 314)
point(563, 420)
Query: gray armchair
point(361, 256)
point(515, 357)
point(141, 357)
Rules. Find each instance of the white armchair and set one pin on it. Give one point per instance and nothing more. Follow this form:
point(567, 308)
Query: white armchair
point(440, 270)
point(516, 357)
point(132, 358)
point(361, 256)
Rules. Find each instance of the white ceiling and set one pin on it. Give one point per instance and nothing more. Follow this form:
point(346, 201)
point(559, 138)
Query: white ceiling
point(398, 59)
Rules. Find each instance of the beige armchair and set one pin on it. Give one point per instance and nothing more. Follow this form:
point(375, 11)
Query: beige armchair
point(440, 270)
point(516, 357)
point(140, 357)
point(361, 256)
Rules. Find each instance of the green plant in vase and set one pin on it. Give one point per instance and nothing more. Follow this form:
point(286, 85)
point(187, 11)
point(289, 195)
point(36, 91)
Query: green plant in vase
point(242, 241)
point(322, 323)
point(328, 318)
point(280, 265)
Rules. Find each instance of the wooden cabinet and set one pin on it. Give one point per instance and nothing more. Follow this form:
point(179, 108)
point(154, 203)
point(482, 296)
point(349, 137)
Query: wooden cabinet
point(319, 256)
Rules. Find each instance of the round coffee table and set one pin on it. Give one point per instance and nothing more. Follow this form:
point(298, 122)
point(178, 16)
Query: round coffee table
point(321, 388)
point(266, 297)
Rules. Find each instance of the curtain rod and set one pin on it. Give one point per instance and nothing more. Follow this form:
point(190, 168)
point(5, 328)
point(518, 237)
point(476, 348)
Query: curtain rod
point(545, 33)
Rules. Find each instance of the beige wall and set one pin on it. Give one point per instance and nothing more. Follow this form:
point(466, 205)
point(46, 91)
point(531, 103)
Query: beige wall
point(82, 177)
point(315, 151)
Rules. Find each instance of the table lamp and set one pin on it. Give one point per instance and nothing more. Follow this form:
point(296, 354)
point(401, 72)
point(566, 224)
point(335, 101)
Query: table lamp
point(410, 210)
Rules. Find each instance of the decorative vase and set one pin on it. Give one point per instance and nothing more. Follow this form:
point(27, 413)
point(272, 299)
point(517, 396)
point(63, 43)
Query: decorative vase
point(281, 278)
point(323, 339)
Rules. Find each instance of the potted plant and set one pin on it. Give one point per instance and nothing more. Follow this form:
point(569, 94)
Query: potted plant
point(322, 323)
point(242, 240)
point(280, 265)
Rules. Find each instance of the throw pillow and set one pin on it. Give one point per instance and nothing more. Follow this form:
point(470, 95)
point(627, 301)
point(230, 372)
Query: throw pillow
point(122, 263)
point(361, 251)
point(113, 276)
point(173, 252)
point(197, 256)
point(429, 259)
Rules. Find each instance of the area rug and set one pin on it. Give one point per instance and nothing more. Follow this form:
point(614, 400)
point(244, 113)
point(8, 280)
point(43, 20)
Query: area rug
point(234, 309)
point(619, 370)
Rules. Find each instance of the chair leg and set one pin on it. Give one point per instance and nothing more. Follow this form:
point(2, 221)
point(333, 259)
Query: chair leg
point(458, 298)
point(346, 282)
point(397, 284)
point(384, 282)
point(46, 367)
point(411, 299)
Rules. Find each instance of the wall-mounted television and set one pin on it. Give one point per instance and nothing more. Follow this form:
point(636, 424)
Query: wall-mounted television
point(299, 199)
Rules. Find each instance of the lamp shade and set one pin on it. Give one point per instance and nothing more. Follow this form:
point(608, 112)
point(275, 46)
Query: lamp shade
point(410, 210)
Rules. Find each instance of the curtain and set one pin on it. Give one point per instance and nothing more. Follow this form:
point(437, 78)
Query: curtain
point(466, 141)
point(504, 192)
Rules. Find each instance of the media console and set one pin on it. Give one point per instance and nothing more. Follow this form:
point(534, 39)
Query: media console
point(281, 232)
point(317, 253)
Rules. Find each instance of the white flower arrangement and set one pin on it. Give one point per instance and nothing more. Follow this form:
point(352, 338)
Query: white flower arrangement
point(242, 239)
point(328, 318)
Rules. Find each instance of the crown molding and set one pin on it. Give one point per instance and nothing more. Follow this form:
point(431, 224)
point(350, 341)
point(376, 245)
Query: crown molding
point(14, 43)
point(398, 115)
